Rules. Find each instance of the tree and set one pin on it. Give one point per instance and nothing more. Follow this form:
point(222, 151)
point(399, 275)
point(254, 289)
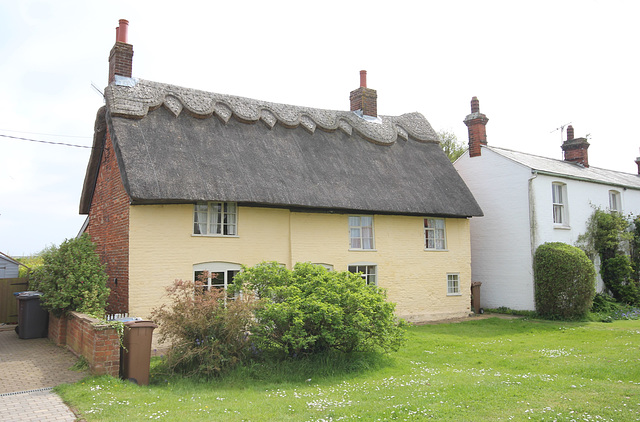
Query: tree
point(450, 145)
point(72, 278)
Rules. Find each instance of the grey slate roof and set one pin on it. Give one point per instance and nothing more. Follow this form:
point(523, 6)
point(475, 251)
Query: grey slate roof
point(570, 170)
point(179, 145)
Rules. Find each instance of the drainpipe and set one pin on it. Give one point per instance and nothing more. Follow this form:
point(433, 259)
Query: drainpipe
point(532, 224)
point(532, 213)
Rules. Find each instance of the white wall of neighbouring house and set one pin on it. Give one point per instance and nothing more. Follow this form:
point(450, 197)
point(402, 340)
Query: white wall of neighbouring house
point(517, 203)
point(582, 198)
point(501, 240)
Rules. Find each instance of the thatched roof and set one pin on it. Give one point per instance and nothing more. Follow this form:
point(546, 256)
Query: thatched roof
point(177, 145)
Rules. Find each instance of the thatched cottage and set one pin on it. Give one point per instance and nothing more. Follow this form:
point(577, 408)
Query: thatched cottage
point(182, 181)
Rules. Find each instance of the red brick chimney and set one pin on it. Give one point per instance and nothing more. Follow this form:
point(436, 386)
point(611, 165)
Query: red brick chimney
point(363, 98)
point(575, 149)
point(476, 123)
point(121, 56)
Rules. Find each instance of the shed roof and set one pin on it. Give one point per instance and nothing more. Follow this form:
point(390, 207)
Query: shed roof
point(179, 145)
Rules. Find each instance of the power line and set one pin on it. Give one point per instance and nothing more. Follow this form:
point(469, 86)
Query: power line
point(45, 142)
point(46, 134)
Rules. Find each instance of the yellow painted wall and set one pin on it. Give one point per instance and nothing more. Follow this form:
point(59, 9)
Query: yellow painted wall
point(163, 249)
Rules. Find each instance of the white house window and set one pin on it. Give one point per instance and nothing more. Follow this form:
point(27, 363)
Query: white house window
point(369, 272)
point(453, 284)
point(559, 193)
point(215, 274)
point(614, 201)
point(328, 267)
point(215, 218)
point(434, 233)
point(361, 232)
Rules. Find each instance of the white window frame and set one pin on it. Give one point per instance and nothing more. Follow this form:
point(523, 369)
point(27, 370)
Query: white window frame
point(227, 270)
point(435, 235)
point(327, 267)
point(615, 201)
point(358, 239)
point(453, 284)
point(560, 212)
point(220, 219)
point(368, 270)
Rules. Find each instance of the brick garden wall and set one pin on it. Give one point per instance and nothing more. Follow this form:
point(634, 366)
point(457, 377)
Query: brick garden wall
point(85, 336)
point(109, 228)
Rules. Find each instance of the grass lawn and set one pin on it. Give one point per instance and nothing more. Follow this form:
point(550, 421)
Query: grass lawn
point(477, 370)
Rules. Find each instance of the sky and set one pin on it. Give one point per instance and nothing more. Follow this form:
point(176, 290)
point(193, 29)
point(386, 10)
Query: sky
point(535, 67)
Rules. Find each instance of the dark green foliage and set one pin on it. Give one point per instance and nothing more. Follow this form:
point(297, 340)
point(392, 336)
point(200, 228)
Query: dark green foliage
point(310, 310)
point(603, 303)
point(608, 236)
point(610, 227)
point(72, 278)
point(635, 249)
point(618, 275)
point(208, 332)
point(564, 281)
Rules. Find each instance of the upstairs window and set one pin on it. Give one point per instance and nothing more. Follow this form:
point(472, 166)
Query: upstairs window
point(614, 201)
point(434, 233)
point(361, 232)
point(215, 218)
point(559, 194)
point(368, 272)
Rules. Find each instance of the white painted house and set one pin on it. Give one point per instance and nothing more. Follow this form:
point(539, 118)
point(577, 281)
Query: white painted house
point(529, 200)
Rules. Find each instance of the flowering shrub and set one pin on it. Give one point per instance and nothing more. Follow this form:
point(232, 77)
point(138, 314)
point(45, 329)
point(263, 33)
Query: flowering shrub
point(208, 332)
point(72, 278)
point(309, 310)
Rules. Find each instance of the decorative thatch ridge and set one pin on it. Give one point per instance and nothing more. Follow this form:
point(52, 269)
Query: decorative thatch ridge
point(134, 98)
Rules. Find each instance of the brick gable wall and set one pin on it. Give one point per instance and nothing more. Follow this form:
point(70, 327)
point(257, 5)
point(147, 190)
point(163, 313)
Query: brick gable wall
point(109, 228)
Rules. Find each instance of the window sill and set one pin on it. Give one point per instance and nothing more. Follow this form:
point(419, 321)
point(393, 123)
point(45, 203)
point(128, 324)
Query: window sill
point(454, 294)
point(436, 250)
point(363, 250)
point(214, 235)
point(561, 227)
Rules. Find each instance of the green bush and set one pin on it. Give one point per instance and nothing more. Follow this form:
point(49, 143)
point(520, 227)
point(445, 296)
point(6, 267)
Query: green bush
point(310, 310)
point(564, 281)
point(618, 273)
point(208, 332)
point(616, 240)
point(72, 278)
point(604, 304)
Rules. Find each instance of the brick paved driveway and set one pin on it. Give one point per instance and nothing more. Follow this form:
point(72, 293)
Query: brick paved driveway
point(28, 370)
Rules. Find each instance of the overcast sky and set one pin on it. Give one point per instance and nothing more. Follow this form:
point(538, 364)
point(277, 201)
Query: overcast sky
point(534, 66)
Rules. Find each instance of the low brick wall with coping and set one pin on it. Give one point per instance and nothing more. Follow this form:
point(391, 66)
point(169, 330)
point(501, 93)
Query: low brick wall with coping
point(97, 342)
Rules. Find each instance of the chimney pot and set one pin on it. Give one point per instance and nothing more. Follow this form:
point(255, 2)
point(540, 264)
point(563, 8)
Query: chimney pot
point(363, 78)
point(475, 105)
point(122, 31)
point(638, 164)
point(569, 133)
